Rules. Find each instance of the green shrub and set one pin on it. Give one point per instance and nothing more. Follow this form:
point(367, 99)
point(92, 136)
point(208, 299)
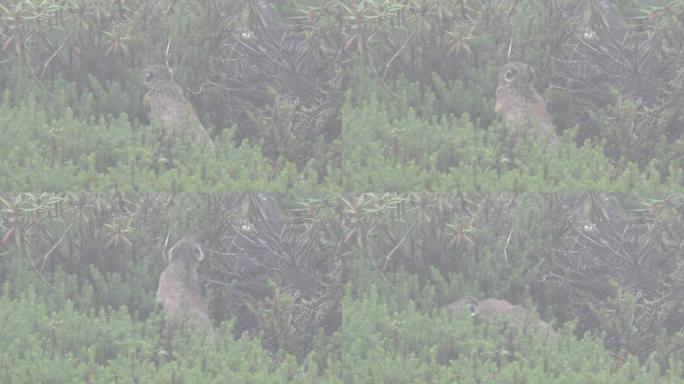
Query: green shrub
point(91, 56)
point(106, 251)
point(66, 345)
point(420, 110)
point(51, 151)
point(384, 344)
point(388, 146)
point(613, 266)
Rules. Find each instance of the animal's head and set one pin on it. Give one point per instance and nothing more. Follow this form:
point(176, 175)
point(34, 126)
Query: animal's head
point(187, 249)
point(470, 303)
point(516, 74)
point(157, 73)
point(473, 305)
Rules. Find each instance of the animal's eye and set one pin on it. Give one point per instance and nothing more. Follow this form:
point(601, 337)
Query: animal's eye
point(510, 74)
point(473, 309)
point(473, 306)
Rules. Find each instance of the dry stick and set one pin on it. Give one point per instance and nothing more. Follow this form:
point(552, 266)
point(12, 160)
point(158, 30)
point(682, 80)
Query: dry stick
point(283, 258)
point(394, 57)
point(508, 240)
point(49, 60)
point(33, 265)
point(218, 282)
point(615, 59)
point(389, 255)
point(263, 53)
point(377, 75)
point(33, 73)
point(166, 242)
point(166, 54)
point(201, 88)
point(616, 252)
point(47, 255)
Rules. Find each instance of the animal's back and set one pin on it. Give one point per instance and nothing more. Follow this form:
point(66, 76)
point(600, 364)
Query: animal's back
point(180, 296)
point(167, 103)
point(518, 316)
point(488, 310)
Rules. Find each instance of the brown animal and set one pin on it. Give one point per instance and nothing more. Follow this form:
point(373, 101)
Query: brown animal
point(167, 104)
point(179, 287)
point(515, 316)
point(519, 103)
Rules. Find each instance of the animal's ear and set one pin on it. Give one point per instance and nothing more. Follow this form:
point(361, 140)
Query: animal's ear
point(195, 241)
point(199, 254)
point(189, 244)
point(172, 251)
point(180, 245)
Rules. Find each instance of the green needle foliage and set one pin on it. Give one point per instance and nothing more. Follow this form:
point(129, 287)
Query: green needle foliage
point(342, 95)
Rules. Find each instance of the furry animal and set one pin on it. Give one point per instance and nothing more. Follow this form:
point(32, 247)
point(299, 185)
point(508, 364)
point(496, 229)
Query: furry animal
point(515, 316)
point(167, 104)
point(519, 103)
point(179, 287)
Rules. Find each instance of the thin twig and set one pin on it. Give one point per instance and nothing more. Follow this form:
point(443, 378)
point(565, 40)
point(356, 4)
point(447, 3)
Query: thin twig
point(389, 63)
point(166, 242)
point(49, 60)
point(380, 79)
point(166, 54)
point(47, 255)
point(508, 240)
point(389, 255)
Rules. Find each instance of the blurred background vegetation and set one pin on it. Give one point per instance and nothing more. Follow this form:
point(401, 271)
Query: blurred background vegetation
point(403, 88)
point(343, 287)
point(423, 84)
point(319, 97)
point(262, 79)
point(79, 272)
point(604, 269)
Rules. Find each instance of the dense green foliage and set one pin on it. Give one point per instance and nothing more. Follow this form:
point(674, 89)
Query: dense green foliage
point(614, 265)
point(337, 103)
point(48, 341)
point(389, 146)
point(419, 79)
point(79, 275)
point(604, 270)
point(72, 77)
point(608, 267)
point(54, 150)
point(421, 109)
point(387, 340)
